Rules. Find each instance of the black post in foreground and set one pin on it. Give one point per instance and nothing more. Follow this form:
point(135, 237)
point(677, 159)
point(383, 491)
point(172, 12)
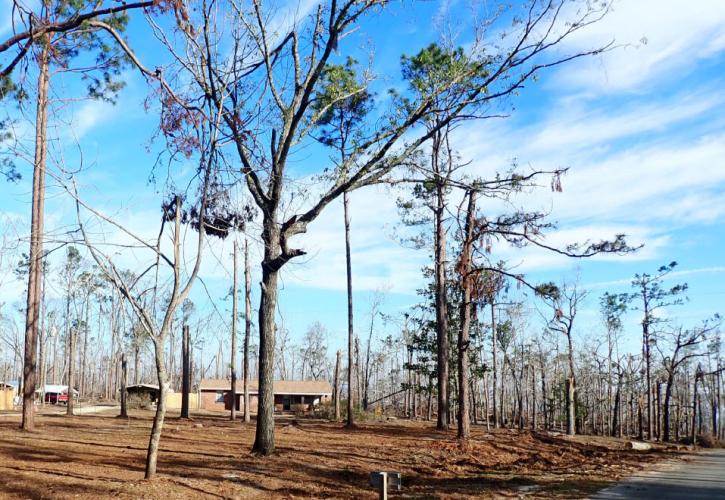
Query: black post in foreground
point(185, 385)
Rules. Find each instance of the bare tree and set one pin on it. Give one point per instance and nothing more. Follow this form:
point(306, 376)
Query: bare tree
point(564, 304)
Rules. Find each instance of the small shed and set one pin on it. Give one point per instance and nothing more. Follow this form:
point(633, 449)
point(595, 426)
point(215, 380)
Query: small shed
point(142, 395)
point(7, 393)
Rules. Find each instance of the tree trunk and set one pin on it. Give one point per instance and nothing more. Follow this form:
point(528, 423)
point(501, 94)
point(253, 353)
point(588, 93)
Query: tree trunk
point(441, 303)
point(693, 430)
point(645, 335)
point(544, 398)
point(350, 330)
point(616, 428)
point(35, 268)
point(233, 392)
point(124, 378)
point(264, 438)
point(136, 362)
point(163, 380)
point(571, 391)
point(464, 424)
point(71, 370)
point(336, 388)
point(666, 408)
point(570, 407)
point(185, 371)
point(247, 327)
point(494, 374)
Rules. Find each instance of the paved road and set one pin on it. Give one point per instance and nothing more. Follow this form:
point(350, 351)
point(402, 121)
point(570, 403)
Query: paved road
point(699, 476)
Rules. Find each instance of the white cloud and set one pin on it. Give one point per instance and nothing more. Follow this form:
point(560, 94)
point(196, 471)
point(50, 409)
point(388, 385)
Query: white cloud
point(661, 38)
point(378, 261)
point(671, 276)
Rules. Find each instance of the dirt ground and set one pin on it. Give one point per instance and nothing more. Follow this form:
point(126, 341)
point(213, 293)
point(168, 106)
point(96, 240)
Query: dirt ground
point(100, 456)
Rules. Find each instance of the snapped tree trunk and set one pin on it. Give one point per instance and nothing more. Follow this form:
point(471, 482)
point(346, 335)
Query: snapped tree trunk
point(35, 269)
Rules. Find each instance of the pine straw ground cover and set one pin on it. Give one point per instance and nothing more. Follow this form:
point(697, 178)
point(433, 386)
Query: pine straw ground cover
point(101, 456)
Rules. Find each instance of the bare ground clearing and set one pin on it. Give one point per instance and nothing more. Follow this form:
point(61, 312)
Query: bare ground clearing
point(100, 456)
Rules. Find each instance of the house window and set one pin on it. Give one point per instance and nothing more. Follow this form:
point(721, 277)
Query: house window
point(219, 397)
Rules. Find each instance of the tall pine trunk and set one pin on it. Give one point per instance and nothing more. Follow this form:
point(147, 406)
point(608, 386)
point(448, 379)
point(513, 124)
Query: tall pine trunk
point(233, 393)
point(247, 327)
point(441, 303)
point(350, 329)
point(71, 370)
point(336, 388)
point(35, 269)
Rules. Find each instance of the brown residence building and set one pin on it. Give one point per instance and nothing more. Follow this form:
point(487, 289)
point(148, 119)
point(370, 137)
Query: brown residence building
point(289, 395)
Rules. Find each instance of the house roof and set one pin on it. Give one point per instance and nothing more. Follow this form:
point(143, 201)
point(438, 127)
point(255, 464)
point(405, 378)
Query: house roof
point(305, 387)
point(143, 386)
point(55, 388)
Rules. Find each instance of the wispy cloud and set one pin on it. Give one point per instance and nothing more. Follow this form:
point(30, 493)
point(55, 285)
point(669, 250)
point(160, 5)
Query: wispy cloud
point(671, 276)
point(662, 38)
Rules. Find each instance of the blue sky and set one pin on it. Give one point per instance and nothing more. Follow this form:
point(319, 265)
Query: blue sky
point(642, 129)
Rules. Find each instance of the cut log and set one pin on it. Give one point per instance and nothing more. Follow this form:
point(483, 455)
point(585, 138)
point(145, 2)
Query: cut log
point(639, 445)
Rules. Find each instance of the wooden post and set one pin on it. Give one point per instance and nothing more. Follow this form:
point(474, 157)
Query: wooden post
point(124, 376)
point(233, 392)
point(185, 385)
